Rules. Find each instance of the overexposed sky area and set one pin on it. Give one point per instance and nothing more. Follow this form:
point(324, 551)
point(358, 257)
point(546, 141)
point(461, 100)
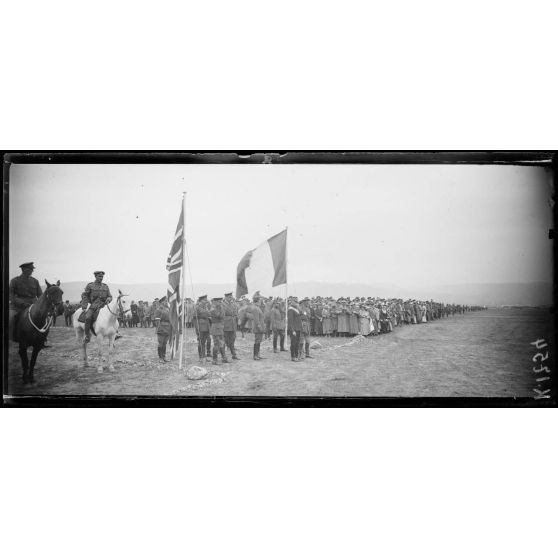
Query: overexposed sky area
point(404, 224)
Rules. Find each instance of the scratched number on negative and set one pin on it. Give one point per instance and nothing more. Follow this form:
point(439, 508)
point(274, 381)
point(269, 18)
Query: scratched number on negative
point(539, 358)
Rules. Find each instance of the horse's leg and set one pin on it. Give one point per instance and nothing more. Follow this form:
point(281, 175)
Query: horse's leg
point(24, 361)
point(100, 348)
point(79, 337)
point(34, 355)
point(110, 351)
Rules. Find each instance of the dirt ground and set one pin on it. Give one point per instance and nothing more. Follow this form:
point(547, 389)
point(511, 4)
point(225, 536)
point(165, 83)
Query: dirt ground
point(480, 354)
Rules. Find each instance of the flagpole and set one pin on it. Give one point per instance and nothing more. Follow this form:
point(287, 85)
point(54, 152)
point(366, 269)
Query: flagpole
point(183, 280)
point(286, 279)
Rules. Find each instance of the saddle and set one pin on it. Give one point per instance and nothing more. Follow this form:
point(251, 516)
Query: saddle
point(81, 319)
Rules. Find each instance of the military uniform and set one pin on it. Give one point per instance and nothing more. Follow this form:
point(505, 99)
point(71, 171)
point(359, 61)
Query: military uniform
point(230, 324)
point(305, 318)
point(217, 329)
point(96, 294)
point(23, 291)
point(267, 308)
point(202, 325)
point(278, 326)
point(162, 320)
point(68, 311)
point(294, 327)
point(255, 313)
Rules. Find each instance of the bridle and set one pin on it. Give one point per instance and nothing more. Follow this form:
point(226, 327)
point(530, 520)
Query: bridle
point(121, 308)
point(49, 318)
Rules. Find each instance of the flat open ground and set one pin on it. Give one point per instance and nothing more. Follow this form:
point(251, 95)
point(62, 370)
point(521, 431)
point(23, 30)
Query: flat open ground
point(480, 354)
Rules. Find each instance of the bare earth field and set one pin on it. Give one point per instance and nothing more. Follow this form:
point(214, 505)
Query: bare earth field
point(480, 354)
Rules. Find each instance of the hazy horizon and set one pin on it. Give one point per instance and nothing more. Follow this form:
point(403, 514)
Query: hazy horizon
point(410, 225)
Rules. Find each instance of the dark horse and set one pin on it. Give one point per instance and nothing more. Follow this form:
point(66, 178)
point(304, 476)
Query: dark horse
point(32, 325)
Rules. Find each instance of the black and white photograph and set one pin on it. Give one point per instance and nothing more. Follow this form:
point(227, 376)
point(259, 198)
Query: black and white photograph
point(257, 276)
point(278, 279)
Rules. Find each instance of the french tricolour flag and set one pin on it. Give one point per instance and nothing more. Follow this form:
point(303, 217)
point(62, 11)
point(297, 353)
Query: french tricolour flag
point(264, 267)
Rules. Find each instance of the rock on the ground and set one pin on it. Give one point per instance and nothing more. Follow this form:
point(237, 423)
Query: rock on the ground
point(196, 373)
point(316, 345)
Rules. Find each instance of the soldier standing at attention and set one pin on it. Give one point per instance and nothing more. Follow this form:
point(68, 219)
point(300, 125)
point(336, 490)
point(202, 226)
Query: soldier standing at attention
point(305, 318)
point(68, 313)
point(154, 307)
point(255, 314)
point(230, 323)
point(294, 327)
point(96, 294)
point(162, 321)
point(147, 314)
point(217, 314)
point(202, 325)
point(134, 314)
point(278, 324)
point(242, 316)
point(268, 306)
point(24, 290)
point(141, 314)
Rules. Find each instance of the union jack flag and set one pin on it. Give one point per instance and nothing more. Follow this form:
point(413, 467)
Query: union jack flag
point(174, 267)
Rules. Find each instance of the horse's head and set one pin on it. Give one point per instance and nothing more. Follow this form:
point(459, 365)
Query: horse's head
point(121, 295)
point(54, 294)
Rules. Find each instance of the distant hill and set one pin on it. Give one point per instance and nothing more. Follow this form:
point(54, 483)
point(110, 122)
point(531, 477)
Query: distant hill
point(489, 294)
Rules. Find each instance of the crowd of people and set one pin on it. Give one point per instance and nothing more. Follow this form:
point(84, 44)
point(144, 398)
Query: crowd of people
point(273, 318)
point(217, 322)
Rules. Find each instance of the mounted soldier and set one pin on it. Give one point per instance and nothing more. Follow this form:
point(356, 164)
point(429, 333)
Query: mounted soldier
point(95, 296)
point(24, 290)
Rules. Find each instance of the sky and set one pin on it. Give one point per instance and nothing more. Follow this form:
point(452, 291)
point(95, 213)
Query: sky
point(409, 225)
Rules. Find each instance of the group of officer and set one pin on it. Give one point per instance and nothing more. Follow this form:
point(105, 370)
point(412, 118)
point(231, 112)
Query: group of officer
point(219, 321)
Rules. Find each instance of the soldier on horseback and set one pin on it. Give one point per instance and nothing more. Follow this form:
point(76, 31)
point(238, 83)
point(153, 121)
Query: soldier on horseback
point(96, 294)
point(24, 290)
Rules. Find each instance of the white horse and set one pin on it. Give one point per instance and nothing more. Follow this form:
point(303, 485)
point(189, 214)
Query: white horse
point(106, 325)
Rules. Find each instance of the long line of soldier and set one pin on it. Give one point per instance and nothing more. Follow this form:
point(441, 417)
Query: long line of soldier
point(218, 322)
point(265, 318)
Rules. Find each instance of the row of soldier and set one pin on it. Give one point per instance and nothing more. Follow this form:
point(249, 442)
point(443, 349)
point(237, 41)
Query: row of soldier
point(218, 322)
point(265, 317)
